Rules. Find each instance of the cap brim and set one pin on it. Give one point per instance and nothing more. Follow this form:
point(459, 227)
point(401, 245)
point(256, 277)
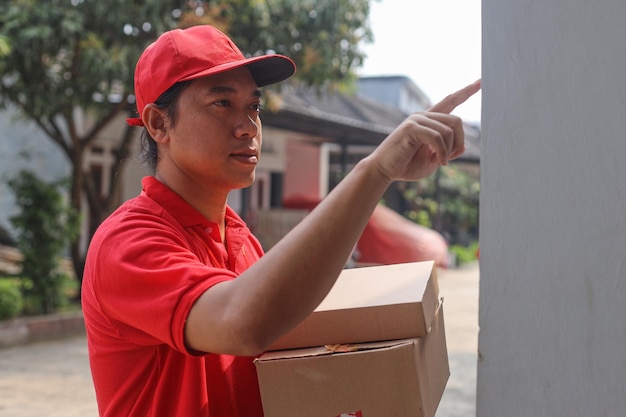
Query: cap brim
point(271, 69)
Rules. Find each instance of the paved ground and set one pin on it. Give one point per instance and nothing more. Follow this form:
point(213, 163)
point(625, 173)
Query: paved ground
point(49, 379)
point(459, 289)
point(52, 379)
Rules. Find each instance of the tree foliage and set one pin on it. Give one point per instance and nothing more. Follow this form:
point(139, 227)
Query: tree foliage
point(447, 202)
point(45, 225)
point(323, 37)
point(66, 54)
point(67, 65)
point(11, 301)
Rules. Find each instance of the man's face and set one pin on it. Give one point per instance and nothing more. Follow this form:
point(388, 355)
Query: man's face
point(216, 142)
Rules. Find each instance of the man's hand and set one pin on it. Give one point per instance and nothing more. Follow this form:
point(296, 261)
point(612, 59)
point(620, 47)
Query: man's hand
point(425, 140)
point(452, 101)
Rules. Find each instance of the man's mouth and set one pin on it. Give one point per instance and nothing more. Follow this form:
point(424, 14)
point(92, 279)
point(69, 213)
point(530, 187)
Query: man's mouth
point(246, 157)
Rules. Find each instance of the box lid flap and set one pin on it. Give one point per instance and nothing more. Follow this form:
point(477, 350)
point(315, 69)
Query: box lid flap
point(360, 287)
point(330, 350)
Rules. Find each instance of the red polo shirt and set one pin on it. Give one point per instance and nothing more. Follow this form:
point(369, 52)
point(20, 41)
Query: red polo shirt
point(147, 264)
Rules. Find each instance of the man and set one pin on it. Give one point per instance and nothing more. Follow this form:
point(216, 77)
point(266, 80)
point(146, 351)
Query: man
point(177, 296)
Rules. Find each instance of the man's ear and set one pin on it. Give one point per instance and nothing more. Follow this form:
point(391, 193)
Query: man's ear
point(154, 119)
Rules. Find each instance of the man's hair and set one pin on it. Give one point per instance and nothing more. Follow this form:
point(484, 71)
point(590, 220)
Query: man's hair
point(167, 101)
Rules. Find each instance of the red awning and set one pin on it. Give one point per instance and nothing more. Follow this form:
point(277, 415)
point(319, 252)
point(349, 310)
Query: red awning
point(389, 238)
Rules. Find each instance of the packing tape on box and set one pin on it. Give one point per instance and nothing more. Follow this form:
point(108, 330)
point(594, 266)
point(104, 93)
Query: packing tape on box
point(353, 414)
point(341, 349)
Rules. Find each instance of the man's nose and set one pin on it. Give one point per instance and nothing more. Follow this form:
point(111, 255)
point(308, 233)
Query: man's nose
point(247, 126)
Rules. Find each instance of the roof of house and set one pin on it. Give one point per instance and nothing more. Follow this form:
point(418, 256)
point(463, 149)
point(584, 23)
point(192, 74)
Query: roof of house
point(346, 119)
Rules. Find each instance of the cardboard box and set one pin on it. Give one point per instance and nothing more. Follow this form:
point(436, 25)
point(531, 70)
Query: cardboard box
point(371, 304)
point(381, 379)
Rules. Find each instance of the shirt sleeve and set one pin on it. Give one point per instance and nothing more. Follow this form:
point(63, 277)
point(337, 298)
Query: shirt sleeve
point(147, 278)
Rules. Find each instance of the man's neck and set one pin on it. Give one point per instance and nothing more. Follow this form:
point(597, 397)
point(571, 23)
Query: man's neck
point(211, 204)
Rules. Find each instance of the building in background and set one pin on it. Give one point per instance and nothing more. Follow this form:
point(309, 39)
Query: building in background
point(308, 147)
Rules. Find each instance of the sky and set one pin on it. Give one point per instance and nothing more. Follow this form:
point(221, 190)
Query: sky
point(436, 43)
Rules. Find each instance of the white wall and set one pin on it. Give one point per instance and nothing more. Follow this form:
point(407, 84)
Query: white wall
point(24, 147)
point(553, 209)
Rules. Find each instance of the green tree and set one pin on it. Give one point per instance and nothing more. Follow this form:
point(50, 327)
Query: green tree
point(324, 37)
point(67, 65)
point(447, 202)
point(61, 60)
point(45, 225)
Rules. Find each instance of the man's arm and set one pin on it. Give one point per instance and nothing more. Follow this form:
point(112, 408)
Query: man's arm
point(246, 315)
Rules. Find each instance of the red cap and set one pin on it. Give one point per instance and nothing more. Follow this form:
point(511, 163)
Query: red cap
point(187, 54)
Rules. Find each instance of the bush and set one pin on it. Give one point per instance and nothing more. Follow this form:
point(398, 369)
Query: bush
point(11, 301)
point(465, 254)
point(45, 225)
point(447, 202)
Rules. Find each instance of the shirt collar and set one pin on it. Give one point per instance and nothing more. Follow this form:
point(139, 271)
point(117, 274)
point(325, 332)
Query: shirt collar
point(179, 208)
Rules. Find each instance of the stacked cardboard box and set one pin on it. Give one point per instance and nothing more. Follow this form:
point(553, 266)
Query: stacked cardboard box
point(375, 347)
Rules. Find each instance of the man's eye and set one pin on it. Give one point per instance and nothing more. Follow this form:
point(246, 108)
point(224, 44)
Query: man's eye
point(257, 107)
point(223, 103)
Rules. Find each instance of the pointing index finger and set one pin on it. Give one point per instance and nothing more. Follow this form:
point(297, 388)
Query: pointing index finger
point(448, 104)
